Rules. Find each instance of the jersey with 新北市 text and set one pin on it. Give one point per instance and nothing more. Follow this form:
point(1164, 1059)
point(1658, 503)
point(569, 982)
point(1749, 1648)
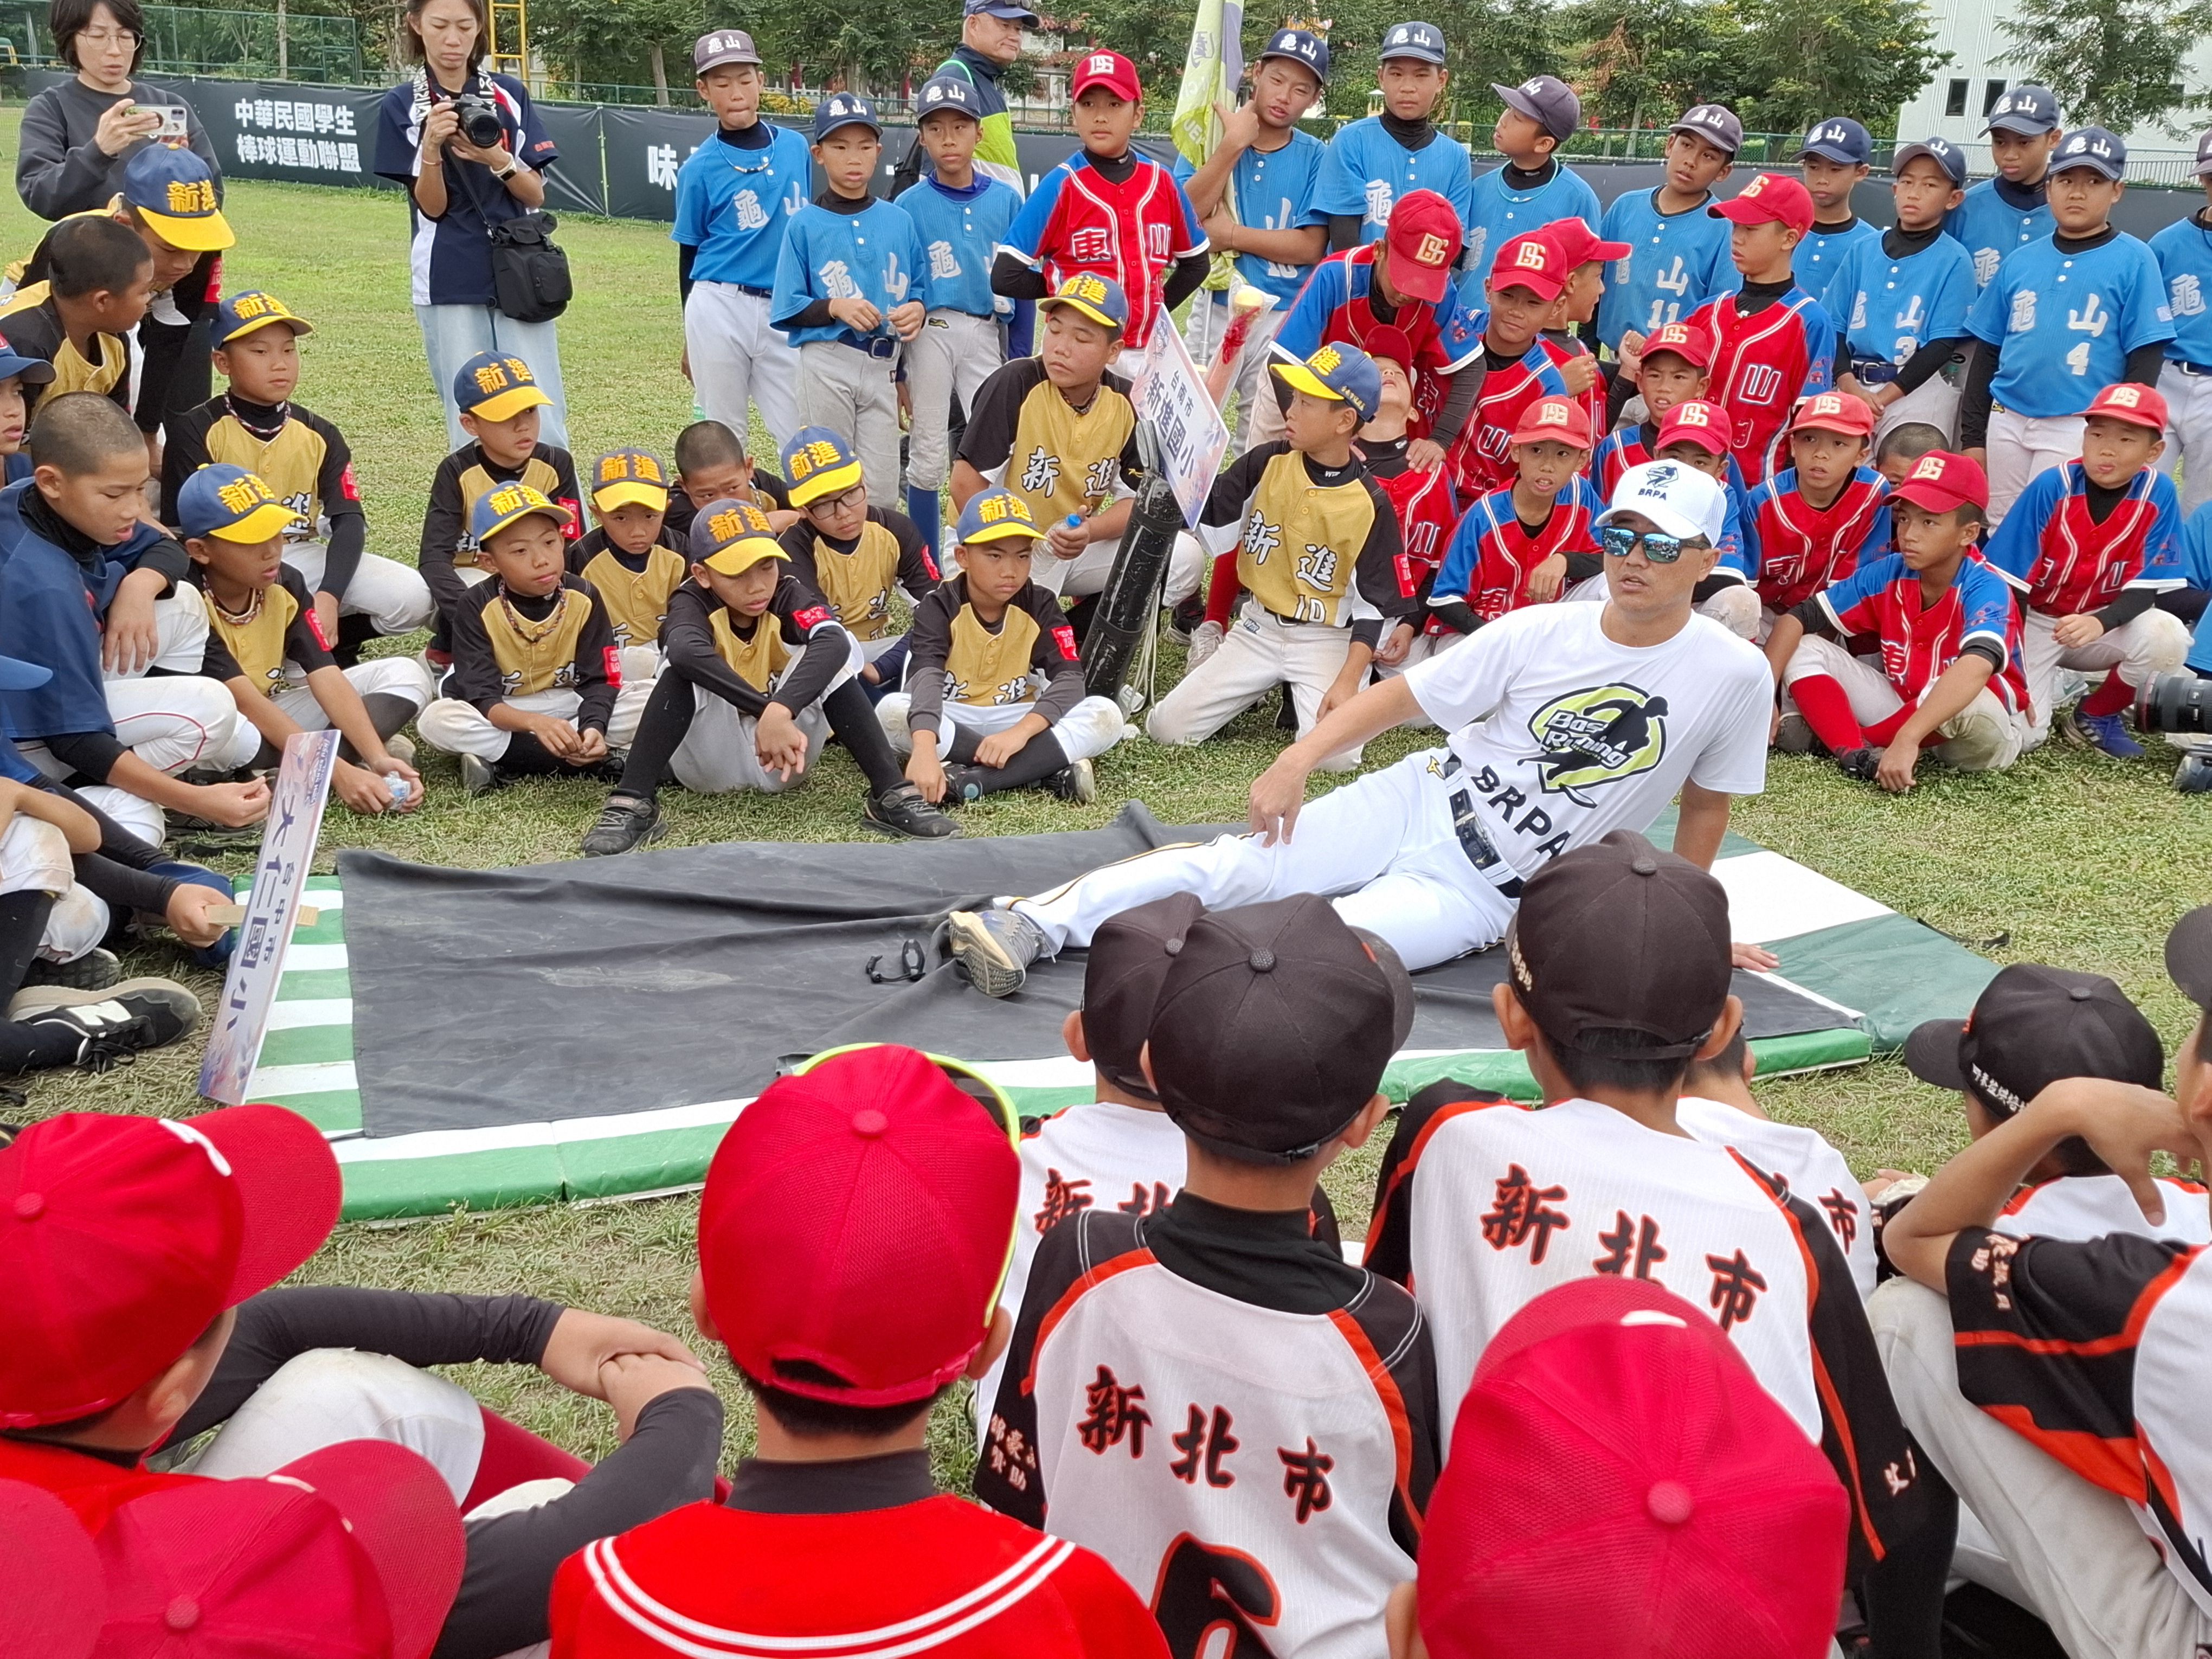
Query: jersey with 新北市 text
point(2092, 1206)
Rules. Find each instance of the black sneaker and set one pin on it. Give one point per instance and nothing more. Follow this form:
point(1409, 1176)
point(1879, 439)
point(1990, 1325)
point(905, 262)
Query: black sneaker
point(623, 823)
point(477, 775)
point(902, 812)
point(1077, 780)
point(962, 785)
point(1185, 617)
point(95, 971)
point(116, 1032)
point(1860, 763)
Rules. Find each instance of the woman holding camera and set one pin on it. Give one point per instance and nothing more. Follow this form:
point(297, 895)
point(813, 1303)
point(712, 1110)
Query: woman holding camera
point(77, 134)
point(469, 148)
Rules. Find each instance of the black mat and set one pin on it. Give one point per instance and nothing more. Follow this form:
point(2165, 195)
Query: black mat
point(610, 985)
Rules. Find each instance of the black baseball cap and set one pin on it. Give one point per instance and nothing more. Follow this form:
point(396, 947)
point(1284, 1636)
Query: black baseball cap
point(2189, 955)
point(1128, 960)
point(1620, 936)
point(2031, 1026)
point(1274, 1026)
point(2029, 110)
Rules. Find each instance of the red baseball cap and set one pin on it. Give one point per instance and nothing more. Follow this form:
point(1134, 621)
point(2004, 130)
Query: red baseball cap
point(1555, 420)
point(1660, 1503)
point(353, 1551)
point(1578, 244)
point(1942, 482)
point(1685, 340)
point(1424, 238)
point(1531, 260)
point(1394, 343)
point(2138, 405)
point(57, 1599)
point(859, 1217)
point(121, 1238)
point(1834, 411)
point(1697, 421)
point(1773, 197)
point(1109, 69)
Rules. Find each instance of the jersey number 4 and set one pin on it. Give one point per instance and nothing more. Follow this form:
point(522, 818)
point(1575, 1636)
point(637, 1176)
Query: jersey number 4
point(2078, 359)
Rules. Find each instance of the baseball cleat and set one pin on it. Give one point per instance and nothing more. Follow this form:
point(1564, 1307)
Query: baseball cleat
point(477, 777)
point(1204, 640)
point(401, 750)
point(2110, 733)
point(902, 812)
point(2194, 777)
point(995, 948)
point(623, 823)
point(1077, 780)
point(1860, 763)
point(1794, 736)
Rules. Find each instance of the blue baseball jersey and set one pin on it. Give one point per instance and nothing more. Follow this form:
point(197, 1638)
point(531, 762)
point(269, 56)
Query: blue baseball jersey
point(1501, 212)
point(1366, 170)
point(50, 610)
point(2184, 252)
point(2065, 322)
point(1822, 253)
point(2196, 548)
point(2064, 562)
point(960, 231)
point(733, 205)
point(1989, 228)
point(1274, 189)
point(1890, 308)
point(1675, 263)
point(872, 255)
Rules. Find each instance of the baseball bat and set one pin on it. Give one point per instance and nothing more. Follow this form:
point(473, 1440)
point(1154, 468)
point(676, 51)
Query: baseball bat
point(1132, 594)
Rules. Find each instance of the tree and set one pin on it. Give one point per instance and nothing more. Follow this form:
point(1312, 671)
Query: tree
point(1643, 61)
point(617, 42)
point(1866, 58)
point(2115, 63)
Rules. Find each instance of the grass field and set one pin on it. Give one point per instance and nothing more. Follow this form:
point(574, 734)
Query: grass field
point(2073, 857)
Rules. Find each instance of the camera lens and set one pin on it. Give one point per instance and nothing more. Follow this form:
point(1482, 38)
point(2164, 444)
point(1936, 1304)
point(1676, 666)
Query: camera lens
point(2175, 702)
point(479, 122)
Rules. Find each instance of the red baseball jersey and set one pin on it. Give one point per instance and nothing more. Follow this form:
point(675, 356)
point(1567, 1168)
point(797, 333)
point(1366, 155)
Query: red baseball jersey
point(1615, 453)
point(1493, 553)
point(942, 1577)
point(1426, 511)
point(1762, 363)
point(1131, 232)
point(1882, 597)
point(1336, 305)
point(1797, 549)
point(1564, 349)
point(2052, 547)
point(1481, 459)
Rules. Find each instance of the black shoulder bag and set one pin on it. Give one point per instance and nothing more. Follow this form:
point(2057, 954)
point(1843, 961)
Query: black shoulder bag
point(529, 272)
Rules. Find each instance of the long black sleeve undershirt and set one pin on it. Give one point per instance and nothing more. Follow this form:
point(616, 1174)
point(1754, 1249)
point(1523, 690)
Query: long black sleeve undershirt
point(817, 313)
point(89, 755)
point(2131, 603)
point(1459, 395)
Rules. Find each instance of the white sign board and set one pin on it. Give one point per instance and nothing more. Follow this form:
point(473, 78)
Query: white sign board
point(280, 876)
point(1171, 393)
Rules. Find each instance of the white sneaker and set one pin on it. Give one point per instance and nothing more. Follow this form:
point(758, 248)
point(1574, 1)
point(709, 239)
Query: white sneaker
point(1204, 640)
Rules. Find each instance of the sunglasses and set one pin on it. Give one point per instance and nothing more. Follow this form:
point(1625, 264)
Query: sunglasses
point(1618, 541)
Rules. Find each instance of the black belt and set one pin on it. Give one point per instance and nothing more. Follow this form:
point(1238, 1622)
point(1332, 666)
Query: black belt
point(2191, 368)
point(867, 345)
point(1476, 845)
point(756, 293)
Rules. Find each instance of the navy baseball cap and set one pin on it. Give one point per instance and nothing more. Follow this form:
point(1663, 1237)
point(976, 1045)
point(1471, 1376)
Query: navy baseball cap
point(1300, 46)
point(1546, 99)
point(844, 109)
point(995, 516)
point(1340, 373)
point(1839, 138)
point(2094, 148)
point(15, 366)
point(947, 92)
point(1715, 124)
point(2023, 109)
point(510, 504)
point(1941, 151)
point(232, 505)
point(1423, 40)
point(241, 314)
point(1099, 298)
point(173, 191)
point(1005, 10)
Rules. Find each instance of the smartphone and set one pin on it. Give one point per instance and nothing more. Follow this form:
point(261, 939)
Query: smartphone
point(173, 118)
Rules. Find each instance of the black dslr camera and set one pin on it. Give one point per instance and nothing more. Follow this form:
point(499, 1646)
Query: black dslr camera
point(479, 120)
point(2175, 702)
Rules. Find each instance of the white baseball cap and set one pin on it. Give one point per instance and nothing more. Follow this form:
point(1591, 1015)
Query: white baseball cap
point(1677, 498)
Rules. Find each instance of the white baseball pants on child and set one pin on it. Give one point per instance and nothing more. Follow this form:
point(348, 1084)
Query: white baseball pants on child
point(1985, 736)
point(2153, 643)
point(738, 361)
point(455, 727)
point(392, 595)
point(1259, 651)
point(955, 352)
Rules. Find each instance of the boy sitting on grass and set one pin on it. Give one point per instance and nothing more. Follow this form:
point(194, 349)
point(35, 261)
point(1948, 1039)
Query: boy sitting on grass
point(629, 557)
point(853, 553)
point(1696, 434)
point(99, 282)
point(266, 643)
point(713, 464)
point(535, 687)
point(995, 697)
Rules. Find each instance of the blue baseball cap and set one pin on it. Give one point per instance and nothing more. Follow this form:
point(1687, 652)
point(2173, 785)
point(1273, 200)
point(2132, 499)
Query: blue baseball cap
point(1839, 138)
point(1716, 123)
point(817, 462)
point(1006, 9)
point(173, 191)
point(232, 505)
point(2023, 109)
point(1423, 40)
point(2094, 148)
point(844, 109)
point(995, 516)
point(241, 314)
point(510, 504)
point(15, 366)
point(1300, 46)
point(16, 675)
point(1340, 373)
point(1941, 151)
point(496, 386)
point(947, 92)
point(1099, 298)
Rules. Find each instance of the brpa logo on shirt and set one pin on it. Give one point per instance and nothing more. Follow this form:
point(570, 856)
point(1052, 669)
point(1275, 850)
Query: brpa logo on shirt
point(1597, 736)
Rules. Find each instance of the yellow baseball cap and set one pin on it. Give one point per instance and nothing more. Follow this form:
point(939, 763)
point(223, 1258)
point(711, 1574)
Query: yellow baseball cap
point(250, 313)
point(509, 504)
point(995, 516)
point(731, 536)
point(232, 505)
point(173, 191)
point(628, 477)
point(1099, 298)
point(496, 387)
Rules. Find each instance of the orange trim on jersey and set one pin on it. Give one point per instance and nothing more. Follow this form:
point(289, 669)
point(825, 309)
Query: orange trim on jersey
point(1404, 1172)
point(1129, 1260)
point(1393, 1407)
point(2113, 1466)
point(2097, 1347)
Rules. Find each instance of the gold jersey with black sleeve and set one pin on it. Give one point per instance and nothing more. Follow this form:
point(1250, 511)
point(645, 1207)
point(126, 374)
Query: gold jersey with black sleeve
point(956, 657)
point(465, 476)
point(857, 577)
point(508, 646)
point(751, 661)
point(633, 587)
point(1318, 544)
point(302, 458)
point(279, 629)
point(35, 330)
point(1024, 434)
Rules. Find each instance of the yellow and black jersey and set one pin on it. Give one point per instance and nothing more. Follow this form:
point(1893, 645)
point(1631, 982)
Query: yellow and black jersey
point(507, 646)
point(749, 661)
point(857, 577)
point(301, 456)
point(956, 657)
point(1024, 434)
point(768, 493)
point(280, 629)
point(463, 478)
point(1317, 544)
point(635, 587)
point(34, 329)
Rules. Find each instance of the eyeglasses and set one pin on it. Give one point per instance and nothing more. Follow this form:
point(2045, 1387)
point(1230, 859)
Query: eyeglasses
point(98, 38)
point(856, 496)
point(1618, 541)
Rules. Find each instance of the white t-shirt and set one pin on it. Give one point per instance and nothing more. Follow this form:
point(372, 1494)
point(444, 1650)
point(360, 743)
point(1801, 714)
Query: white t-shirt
point(1812, 1170)
point(1564, 735)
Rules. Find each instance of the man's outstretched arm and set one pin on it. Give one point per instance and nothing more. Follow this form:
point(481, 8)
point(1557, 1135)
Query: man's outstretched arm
point(1280, 791)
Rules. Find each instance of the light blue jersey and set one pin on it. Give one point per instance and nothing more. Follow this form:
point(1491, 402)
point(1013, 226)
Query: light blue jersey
point(872, 255)
point(1675, 263)
point(733, 205)
point(2197, 565)
point(1821, 255)
point(2064, 323)
point(1274, 191)
point(960, 231)
point(1889, 308)
point(1989, 228)
point(1501, 212)
point(1366, 170)
point(2184, 252)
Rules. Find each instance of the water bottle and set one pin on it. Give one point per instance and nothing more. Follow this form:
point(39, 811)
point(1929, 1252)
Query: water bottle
point(400, 788)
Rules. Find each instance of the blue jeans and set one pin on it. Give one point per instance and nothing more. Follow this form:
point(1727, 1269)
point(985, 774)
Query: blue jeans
point(453, 334)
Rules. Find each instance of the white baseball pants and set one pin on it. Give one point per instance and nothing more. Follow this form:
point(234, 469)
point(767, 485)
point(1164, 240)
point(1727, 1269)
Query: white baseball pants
point(2153, 643)
point(738, 361)
point(1090, 728)
point(1983, 736)
point(2021, 446)
point(855, 397)
point(2188, 458)
point(455, 727)
point(392, 595)
point(955, 352)
point(1258, 654)
point(1383, 847)
point(1933, 402)
point(720, 753)
point(387, 677)
point(34, 858)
